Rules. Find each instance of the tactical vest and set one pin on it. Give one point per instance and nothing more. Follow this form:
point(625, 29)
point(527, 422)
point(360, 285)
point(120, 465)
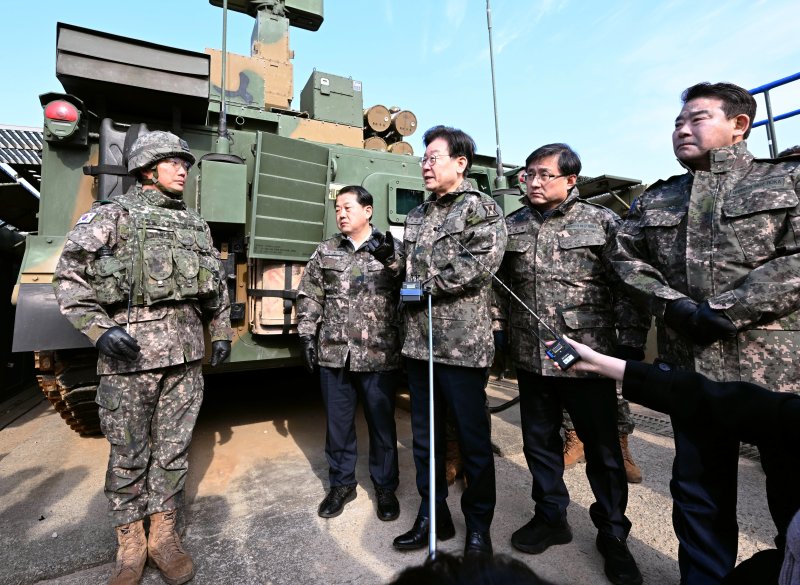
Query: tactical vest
point(167, 254)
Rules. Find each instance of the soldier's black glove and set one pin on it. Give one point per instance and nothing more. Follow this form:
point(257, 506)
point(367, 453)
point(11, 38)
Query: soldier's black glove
point(220, 350)
point(627, 352)
point(500, 340)
point(117, 344)
point(679, 316)
point(309, 352)
point(711, 325)
point(381, 246)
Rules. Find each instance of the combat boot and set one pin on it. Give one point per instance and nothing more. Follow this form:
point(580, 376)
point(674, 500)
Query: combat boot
point(453, 463)
point(632, 471)
point(165, 551)
point(573, 449)
point(131, 554)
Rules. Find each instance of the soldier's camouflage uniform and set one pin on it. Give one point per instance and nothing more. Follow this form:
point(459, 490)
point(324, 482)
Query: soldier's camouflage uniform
point(348, 301)
point(561, 269)
point(148, 406)
point(461, 288)
point(558, 265)
point(731, 236)
point(352, 299)
point(461, 293)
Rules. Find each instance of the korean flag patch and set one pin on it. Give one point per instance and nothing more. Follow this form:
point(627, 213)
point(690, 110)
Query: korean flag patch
point(86, 218)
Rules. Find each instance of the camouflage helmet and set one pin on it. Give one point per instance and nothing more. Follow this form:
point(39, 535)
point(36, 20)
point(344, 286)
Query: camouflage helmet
point(152, 147)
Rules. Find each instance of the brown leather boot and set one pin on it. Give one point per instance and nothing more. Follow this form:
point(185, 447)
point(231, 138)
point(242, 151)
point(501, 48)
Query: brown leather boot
point(632, 471)
point(573, 449)
point(165, 550)
point(453, 464)
point(131, 554)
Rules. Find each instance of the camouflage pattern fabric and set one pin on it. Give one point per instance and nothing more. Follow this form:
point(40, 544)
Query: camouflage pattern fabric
point(148, 418)
point(730, 236)
point(351, 299)
point(560, 268)
point(92, 289)
point(148, 407)
point(155, 146)
point(461, 288)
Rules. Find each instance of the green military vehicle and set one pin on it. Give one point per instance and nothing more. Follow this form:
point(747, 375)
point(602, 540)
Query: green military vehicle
point(264, 181)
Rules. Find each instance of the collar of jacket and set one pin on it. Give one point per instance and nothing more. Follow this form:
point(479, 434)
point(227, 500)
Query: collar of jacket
point(343, 239)
point(453, 196)
point(156, 198)
point(562, 207)
point(727, 158)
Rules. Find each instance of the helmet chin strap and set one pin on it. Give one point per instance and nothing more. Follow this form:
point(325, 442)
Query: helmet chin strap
point(172, 193)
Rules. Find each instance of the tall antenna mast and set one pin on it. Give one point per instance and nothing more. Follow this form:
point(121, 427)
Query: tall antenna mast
point(223, 144)
point(500, 182)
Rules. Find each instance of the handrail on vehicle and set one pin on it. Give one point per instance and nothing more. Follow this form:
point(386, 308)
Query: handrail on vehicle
point(770, 120)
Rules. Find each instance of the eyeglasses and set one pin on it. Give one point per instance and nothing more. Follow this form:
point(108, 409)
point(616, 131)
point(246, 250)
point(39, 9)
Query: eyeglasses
point(544, 177)
point(431, 159)
point(178, 163)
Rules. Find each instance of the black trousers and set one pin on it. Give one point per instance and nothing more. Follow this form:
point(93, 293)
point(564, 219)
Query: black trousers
point(704, 493)
point(592, 404)
point(341, 389)
point(460, 390)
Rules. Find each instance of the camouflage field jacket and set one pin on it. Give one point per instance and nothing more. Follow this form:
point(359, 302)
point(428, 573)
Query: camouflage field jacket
point(348, 300)
point(560, 268)
point(461, 288)
point(730, 236)
point(168, 332)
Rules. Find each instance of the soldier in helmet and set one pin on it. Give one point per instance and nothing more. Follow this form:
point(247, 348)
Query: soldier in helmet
point(139, 276)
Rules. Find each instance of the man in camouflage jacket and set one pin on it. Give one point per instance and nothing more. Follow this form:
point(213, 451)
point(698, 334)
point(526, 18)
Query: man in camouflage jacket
point(453, 242)
point(138, 276)
point(348, 323)
point(556, 262)
point(715, 253)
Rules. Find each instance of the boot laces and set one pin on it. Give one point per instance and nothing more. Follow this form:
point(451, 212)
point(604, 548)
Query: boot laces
point(131, 549)
point(171, 545)
point(571, 441)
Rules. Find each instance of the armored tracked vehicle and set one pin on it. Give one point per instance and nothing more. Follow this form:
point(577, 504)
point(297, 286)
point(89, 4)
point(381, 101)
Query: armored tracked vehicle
point(267, 173)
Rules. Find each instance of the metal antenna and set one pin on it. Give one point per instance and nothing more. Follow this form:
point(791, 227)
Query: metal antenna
point(500, 181)
point(223, 144)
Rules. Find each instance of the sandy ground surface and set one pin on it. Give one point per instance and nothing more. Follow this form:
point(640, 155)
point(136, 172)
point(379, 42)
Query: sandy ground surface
point(257, 474)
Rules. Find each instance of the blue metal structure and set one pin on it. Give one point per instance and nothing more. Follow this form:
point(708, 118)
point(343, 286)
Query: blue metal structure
point(770, 121)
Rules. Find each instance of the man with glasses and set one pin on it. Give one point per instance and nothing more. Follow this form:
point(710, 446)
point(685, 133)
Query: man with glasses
point(138, 276)
point(454, 217)
point(556, 262)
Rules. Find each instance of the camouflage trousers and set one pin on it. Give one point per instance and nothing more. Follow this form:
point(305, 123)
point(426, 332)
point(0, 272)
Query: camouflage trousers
point(148, 418)
point(625, 424)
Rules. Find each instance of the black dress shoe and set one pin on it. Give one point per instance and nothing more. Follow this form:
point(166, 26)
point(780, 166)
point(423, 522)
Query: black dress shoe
point(620, 566)
point(417, 537)
point(388, 506)
point(334, 502)
point(478, 543)
point(537, 535)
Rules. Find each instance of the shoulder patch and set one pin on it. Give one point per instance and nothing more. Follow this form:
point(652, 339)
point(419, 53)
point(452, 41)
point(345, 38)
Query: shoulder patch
point(490, 209)
point(86, 217)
